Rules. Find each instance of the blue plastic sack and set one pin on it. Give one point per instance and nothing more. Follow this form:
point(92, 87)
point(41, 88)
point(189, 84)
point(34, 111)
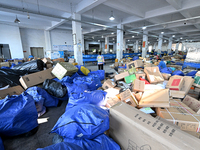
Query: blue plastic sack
point(62, 146)
point(99, 73)
point(135, 58)
point(101, 142)
point(82, 121)
point(18, 115)
point(97, 97)
point(4, 67)
point(167, 70)
point(192, 74)
point(178, 72)
point(49, 100)
point(179, 63)
point(1, 144)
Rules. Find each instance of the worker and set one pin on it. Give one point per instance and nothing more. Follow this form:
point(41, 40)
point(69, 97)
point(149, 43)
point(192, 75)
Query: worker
point(100, 61)
point(161, 64)
point(30, 57)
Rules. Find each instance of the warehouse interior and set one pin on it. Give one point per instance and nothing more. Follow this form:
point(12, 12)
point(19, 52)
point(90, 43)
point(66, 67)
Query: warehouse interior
point(54, 94)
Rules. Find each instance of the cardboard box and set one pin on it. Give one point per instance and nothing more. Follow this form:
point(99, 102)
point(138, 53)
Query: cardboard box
point(187, 83)
point(138, 96)
point(116, 64)
point(195, 134)
point(138, 63)
point(148, 65)
point(112, 101)
point(36, 78)
point(129, 65)
point(193, 103)
point(176, 83)
point(138, 85)
point(180, 115)
point(16, 90)
point(120, 64)
point(153, 74)
point(72, 60)
point(120, 70)
point(135, 130)
point(166, 76)
point(140, 75)
point(128, 98)
point(108, 84)
point(46, 60)
point(5, 64)
point(155, 98)
point(49, 66)
point(17, 60)
point(121, 76)
point(64, 69)
point(59, 60)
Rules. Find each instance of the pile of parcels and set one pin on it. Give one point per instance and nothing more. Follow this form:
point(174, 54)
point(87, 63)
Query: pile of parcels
point(137, 108)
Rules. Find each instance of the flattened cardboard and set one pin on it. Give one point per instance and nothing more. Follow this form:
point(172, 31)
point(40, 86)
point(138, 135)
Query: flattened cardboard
point(36, 78)
point(138, 85)
point(121, 76)
point(108, 84)
point(140, 75)
point(153, 74)
point(112, 101)
point(128, 98)
point(16, 90)
point(166, 76)
point(138, 96)
point(193, 103)
point(135, 130)
point(181, 115)
point(155, 98)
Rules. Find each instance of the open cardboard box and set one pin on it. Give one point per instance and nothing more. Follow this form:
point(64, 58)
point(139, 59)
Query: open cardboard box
point(15, 90)
point(153, 74)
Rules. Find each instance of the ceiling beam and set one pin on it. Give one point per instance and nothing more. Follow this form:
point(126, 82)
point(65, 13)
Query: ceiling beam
point(177, 4)
point(86, 5)
point(120, 5)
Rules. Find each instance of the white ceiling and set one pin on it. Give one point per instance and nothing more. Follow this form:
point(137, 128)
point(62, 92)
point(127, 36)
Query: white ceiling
point(174, 17)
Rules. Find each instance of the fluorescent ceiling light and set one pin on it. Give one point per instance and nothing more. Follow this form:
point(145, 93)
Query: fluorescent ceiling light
point(102, 36)
point(133, 36)
point(112, 16)
point(162, 32)
point(144, 28)
point(112, 33)
point(173, 35)
point(128, 40)
point(181, 38)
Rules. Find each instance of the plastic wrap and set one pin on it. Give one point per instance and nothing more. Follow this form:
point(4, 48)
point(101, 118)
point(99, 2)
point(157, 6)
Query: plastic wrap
point(9, 80)
point(37, 65)
point(193, 52)
point(82, 121)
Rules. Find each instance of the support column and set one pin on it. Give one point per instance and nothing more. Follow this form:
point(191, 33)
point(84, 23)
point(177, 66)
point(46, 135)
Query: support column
point(182, 48)
point(154, 46)
point(176, 50)
point(145, 44)
point(160, 41)
point(136, 46)
point(120, 33)
point(83, 44)
point(124, 45)
point(47, 38)
point(77, 39)
point(169, 48)
point(106, 45)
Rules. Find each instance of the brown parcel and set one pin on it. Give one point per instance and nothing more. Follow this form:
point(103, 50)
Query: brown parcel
point(155, 98)
point(36, 78)
point(166, 76)
point(134, 130)
point(193, 103)
point(138, 63)
point(5, 64)
point(112, 101)
point(138, 96)
point(108, 84)
point(15, 90)
point(128, 98)
point(175, 83)
point(181, 115)
point(138, 85)
point(153, 74)
point(121, 76)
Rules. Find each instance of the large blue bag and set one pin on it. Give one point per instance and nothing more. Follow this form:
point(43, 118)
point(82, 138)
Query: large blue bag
point(99, 73)
point(18, 115)
point(167, 70)
point(82, 121)
point(62, 146)
point(49, 100)
point(97, 97)
point(101, 142)
point(178, 72)
point(1, 144)
point(192, 74)
point(135, 58)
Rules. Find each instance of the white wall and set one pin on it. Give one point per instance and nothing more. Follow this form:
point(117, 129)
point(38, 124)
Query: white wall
point(59, 37)
point(11, 35)
point(32, 38)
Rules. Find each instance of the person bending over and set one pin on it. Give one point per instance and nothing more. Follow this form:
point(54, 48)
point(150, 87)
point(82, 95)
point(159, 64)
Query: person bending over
point(161, 64)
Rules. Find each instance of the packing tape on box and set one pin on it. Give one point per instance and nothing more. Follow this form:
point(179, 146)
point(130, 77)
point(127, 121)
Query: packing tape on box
point(174, 121)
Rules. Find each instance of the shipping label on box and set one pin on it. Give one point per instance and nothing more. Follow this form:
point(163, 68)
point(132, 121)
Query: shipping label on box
point(108, 84)
point(138, 85)
point(135, 130)
point(16, 90)
point(181, 115)
point(193, 103)
point(128, 98)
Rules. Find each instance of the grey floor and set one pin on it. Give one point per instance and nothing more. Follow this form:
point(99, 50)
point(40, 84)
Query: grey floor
point(42, 138)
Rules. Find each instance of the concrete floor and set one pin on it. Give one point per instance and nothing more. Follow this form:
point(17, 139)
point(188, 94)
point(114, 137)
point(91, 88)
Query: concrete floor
point(42, 138)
